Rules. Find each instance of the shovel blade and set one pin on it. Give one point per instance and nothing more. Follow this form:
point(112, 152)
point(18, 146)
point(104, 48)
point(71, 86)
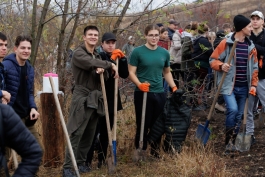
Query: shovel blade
point(243, 142)
point(203, 133)
point(114, 152)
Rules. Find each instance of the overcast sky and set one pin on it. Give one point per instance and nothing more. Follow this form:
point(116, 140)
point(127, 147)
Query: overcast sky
point(138, 5)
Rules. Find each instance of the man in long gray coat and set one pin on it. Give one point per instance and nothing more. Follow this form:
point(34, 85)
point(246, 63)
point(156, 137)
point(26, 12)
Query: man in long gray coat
point(87, 103)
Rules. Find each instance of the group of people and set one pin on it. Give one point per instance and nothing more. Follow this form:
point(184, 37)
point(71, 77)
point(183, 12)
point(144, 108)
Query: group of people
point(167, 54)
point(194, 53)
point(85, 123)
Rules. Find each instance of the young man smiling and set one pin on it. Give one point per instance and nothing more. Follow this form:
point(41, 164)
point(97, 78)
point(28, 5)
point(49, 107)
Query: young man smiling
point(108, 52)
point(258, 38)
point(20, 83)
point(87, 101)
point(147, 64)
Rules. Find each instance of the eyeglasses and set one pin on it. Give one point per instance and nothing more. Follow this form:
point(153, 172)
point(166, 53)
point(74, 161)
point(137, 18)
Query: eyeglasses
point(153, 36)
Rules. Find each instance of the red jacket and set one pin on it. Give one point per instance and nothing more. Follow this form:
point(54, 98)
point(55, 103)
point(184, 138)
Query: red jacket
point(163, 44)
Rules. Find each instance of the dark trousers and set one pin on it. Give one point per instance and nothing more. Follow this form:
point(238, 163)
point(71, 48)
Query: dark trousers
point(103, 143)
point(154, 107)
point(220, 99)
point(176, 72)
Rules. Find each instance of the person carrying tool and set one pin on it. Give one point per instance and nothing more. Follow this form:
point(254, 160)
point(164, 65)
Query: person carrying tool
point(108, 52)
point(87, 101)
point(242, 75)
point(258, 38)
point(15, 135)
point(147, 64)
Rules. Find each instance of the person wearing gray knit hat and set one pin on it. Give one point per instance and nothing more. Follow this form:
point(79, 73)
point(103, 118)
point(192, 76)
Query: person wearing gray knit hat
point(240, 22)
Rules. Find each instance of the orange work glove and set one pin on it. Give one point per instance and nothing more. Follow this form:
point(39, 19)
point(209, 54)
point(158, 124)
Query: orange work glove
point(117, 53)
point(260, 63)
point(175, 88)
point(252, 91)
point(144, 87)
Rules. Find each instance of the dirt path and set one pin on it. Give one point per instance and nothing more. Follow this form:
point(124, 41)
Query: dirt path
point(247, 164)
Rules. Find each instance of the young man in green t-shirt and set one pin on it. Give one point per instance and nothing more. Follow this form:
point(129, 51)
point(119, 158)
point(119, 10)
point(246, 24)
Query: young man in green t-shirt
point(147, 64)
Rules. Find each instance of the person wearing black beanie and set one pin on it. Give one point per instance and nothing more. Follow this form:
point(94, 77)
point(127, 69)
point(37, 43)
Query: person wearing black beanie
point(241, 79)
point(240, 22)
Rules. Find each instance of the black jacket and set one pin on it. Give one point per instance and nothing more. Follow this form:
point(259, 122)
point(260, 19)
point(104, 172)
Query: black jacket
point(220, 35)
point(110, 83)
point(174, 122)
point(259, 42)
point(202, 49)
point(18, 137)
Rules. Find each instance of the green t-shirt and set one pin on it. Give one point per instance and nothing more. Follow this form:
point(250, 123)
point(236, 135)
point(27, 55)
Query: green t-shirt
point(150, 65)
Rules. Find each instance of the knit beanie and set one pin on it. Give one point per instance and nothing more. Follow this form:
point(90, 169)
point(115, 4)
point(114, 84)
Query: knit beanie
point(240, 22)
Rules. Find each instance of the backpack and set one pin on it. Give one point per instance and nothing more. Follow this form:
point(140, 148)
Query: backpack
point(2, 147)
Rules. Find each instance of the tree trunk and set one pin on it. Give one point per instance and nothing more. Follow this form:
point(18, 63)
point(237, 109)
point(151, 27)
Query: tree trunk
point(118, 22)
point(25, 17)
point(61, 37)
point(35, 44)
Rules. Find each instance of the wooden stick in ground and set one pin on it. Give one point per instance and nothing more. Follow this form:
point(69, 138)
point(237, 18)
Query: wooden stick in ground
point(115, 114)
point(64, 127)
point(110, 164)
point(14, 156)
point(222, 81)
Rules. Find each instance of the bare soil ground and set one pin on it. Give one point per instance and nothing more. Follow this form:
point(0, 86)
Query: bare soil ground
point(247, 164)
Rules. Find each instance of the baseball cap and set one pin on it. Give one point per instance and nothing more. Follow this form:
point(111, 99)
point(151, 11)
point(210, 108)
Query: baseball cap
point(172, 21)
point(257, 13)
point(108, 37)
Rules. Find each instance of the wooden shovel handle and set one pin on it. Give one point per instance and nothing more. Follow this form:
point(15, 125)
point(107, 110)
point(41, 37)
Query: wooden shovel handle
point(143, 120)
point(222, 81)
point(106, 108)
point(115, 104)
point(245, 112)
point(64, 127)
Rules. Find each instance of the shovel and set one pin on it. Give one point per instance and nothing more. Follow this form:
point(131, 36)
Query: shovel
point(243, 140)
point(110, 161)
point(139, 154)
point(115, 116)
point(64, 127)
point(203, 133)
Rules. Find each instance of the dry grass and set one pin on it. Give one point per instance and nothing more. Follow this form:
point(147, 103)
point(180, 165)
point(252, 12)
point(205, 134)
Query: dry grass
point(193, 161)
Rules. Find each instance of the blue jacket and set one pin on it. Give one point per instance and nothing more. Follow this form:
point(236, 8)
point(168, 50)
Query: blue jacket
point(13, 79)
point(19, 138)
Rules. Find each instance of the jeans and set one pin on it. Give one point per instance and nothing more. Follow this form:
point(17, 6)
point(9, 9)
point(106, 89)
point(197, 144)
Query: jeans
point(235, 104)
point(251, 102)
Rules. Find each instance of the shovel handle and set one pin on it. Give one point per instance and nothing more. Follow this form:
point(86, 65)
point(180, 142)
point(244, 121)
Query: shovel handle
point(115, 104)
point(106, 108)
point(222, 81)
point(64, 127)
point(143, 120)
point(14, 158)
point(245, 112)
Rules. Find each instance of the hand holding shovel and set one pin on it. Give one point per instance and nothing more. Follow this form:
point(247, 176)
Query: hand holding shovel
point(203, 133)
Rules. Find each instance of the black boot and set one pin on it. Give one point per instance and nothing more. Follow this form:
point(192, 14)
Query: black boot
point(230, 140)
point(228, 134)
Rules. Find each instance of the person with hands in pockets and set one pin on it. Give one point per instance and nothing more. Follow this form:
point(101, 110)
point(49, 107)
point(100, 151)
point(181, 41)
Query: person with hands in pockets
point(108, 53)
point(147, 64)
